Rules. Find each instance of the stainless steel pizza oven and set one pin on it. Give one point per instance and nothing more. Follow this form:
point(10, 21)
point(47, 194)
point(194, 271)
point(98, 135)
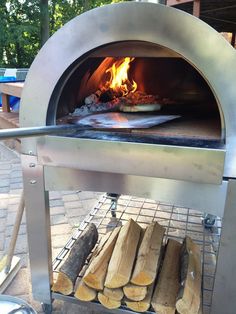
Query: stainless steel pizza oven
point(187, 161)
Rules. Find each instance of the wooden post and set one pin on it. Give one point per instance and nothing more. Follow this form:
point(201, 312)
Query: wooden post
point(233, 39)
point(196, 5)
point(196, 8)
point(5, 103)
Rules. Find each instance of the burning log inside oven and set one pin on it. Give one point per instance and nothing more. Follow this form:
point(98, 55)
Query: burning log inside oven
point(118, 93)
point(138, 102)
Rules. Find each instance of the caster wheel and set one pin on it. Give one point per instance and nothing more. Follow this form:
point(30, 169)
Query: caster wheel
point(209, 221)
point(47, 308)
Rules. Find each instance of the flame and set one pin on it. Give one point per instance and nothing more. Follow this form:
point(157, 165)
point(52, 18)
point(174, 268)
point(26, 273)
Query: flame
point(119, 81)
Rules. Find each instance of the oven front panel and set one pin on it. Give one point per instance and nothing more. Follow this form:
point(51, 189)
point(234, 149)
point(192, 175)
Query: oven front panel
point(200, 165)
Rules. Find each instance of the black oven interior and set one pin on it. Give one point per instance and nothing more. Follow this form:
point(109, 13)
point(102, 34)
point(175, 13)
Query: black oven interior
point(156, 71)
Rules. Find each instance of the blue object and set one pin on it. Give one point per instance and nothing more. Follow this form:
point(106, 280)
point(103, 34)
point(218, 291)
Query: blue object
point(14, 101)
point(6, 79)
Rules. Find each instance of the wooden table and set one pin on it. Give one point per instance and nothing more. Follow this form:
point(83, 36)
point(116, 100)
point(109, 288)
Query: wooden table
point(10, 89)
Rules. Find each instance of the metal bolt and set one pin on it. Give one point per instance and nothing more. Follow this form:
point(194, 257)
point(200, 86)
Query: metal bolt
point(33, 181)
point(32, 165)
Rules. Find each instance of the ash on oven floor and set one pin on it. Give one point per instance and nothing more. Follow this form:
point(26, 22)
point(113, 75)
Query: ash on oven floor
point(178, 222)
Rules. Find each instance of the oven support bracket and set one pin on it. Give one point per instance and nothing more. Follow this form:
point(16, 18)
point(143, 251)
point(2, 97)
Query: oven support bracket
point(38, 228)
point(224, 300)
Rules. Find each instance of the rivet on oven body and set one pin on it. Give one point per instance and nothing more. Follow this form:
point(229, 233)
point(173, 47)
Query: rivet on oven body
point(33, 181)
point(32, 165)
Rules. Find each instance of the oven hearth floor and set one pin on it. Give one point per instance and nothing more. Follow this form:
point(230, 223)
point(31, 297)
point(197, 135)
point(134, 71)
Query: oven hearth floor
point(178, 222)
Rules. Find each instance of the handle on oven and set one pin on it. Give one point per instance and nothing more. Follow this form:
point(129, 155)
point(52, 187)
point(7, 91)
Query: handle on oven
point(42, 130)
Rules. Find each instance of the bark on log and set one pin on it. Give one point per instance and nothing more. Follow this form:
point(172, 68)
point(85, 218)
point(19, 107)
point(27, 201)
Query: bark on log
point(167, 287)
point(189, 296)
point(85, 293)
point(145, 269)
point(134, 292)
point(69, 271)
point(108, 302)
point(144, 305)
point(114, 294)
point(123, 256)
point(95, 274)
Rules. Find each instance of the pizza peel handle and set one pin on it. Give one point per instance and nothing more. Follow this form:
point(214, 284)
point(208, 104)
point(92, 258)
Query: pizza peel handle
point(112, 120)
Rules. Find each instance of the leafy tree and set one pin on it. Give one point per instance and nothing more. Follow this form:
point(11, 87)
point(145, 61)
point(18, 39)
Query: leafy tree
point(25, 24)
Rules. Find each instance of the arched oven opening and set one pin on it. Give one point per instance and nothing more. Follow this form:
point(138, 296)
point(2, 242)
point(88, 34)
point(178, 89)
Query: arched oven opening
point(140, 80)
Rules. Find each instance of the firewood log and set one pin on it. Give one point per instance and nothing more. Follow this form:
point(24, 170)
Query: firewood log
point(134, 292)
point(189, 296)
point(95, 274)
point(145, 269)
point(108, 302)
point(144, 305)
point(69, 271)
point(167, 287)
point(99, 107)
point(123, 256)
point(85, 293)
point(114, 294)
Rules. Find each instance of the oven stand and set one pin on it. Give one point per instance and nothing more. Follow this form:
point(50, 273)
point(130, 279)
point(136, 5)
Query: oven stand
point(224, 293)
point(39, 241)
point(38, 229)
point(114, 200)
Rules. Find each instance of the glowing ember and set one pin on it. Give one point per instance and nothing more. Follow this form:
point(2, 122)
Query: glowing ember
point(119, 81)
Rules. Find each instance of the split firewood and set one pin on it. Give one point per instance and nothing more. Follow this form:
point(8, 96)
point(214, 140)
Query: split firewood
point(108, 302)
point(123, 256)
point(114, 294)
point(95, 274)
point(134, 292)
point(148, 256)
point(189, 296)
point(167, 287)
point(85, 293)
point(144, 305)
point(79, 252)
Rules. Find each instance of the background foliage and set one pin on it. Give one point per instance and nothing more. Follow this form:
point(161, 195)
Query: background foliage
point(22, 25)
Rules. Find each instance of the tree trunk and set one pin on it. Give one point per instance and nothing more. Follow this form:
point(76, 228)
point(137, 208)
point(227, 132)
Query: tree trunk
point(44, 21)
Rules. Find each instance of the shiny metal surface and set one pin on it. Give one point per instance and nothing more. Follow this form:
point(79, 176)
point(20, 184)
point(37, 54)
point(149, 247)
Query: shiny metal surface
point(172, 162)
point(204, 197)
point(161, 25)
point(40, 131)
point(10, 305)
point(121, 120)
point(38, 228)
point(224, 300)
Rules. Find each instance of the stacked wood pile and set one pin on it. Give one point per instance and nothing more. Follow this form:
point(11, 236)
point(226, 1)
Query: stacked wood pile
point(132, 266)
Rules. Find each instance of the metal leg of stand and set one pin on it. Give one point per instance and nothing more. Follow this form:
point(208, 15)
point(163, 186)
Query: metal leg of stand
point(224, 294)
point(114, 200)
point(38, 229)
